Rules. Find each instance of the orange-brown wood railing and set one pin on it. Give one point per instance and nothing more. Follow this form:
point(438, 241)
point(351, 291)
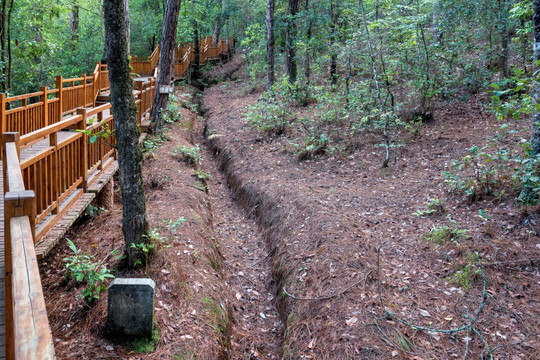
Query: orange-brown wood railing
point(28, 334)
point(184, 57)
point(53, 128)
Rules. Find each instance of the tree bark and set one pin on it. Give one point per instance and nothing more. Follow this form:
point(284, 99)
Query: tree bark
point(166, 63)
point(74, 23)
point(309, 34)
point(3, 45)
point(128, 31)
point(291, 42)
point(333, 40)
point(527, 194)
point(270, 56)
point(196, 67)
point(130, 158)
point(505, 37)
point(217, 24)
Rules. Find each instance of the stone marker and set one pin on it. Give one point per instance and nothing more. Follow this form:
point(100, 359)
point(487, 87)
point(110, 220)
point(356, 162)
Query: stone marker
point(130, 312)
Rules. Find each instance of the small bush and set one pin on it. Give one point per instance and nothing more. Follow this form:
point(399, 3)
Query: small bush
point(82, 268)
point(431, 207)
point(190, 154)
point(447, 233)
point(267, 115)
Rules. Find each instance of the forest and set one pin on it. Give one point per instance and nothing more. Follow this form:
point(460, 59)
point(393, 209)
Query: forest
point(323, 180)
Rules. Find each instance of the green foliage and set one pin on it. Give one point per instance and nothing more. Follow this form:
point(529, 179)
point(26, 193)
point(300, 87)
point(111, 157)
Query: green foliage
point(268, 115)
point(172, 113)
point(481, 173)
point(93, 211)
point(469, 274)
point(152, 142)
point(512, 97)
point(431, 207)
point(190, 154)
point(443, 234)
point(448, 232)
point(254, 43)
point(83, 269)
point(174, 225)
point(142, 345)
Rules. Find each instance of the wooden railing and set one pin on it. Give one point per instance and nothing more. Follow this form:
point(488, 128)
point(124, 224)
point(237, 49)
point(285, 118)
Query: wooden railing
point(184, 57)
point(54, 128)
point(31, 112)
point(28, 334)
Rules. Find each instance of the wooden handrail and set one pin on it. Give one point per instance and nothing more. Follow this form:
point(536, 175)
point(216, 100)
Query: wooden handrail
point(28, 334)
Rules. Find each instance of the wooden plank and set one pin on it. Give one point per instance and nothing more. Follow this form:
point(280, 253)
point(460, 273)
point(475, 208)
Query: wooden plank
point(32, 333)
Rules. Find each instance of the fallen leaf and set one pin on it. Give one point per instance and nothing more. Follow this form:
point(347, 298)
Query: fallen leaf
point(351, 321)
point(238, 296)
point(424, 313)
point(311, 344)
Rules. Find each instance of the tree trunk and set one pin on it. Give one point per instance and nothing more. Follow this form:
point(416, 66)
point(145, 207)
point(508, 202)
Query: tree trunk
point(3, 45)
point(166, 63)
point(195, 74)
point(8, 75)
point(527, 194)
point(307, 60)
point(270, 56)
point(505, 37)
point(291, 42)
point(333, 41)
point(128, 31)
point(74, 21)
point(217, 25)
point(130, 158)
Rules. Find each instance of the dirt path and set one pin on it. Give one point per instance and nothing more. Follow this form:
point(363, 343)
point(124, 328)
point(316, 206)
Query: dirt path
point(257, 329)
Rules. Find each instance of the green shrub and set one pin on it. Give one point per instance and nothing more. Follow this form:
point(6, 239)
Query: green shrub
point(267, 115)
point(190, 154)
point(431, 207)
point(82, 268)
point(481, 174)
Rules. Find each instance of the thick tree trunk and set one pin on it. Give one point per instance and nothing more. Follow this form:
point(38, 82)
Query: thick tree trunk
point(527, 194)
point(270, 56)
point(166, 63)
point(505, 37)
point(333, 40)
point(74, 23)
point(128, 31)
point(130, 159)
point(196, 67)
point(8, 74)
point(535, 138)
point(291, 42)
point(217, 25)
point(3, 31)
point(309, 34)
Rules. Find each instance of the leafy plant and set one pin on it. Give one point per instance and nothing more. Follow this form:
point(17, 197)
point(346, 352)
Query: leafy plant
point(83, 269)
point(469, 274)
point(174, 225)
point(449, 232)
point(480, 173)
point(190, 154)
point(93, 211)
point(432, 206)
point(268, 115)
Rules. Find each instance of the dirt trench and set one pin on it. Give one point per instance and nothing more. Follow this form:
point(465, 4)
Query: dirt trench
point(257, 331)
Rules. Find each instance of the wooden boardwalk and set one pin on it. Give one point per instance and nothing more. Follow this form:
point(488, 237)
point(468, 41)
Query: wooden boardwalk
point(2, 278)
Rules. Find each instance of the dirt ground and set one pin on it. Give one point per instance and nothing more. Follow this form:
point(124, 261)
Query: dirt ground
point(316, 259)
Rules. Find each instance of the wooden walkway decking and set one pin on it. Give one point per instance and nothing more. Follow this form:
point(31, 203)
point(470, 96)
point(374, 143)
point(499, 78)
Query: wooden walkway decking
point(2, 278)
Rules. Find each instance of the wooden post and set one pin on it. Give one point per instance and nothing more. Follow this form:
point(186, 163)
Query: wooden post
point(3, 112)
point(84, 89)
point(81, 125)
point(59, 95)
point(9, 137)
point(55, 183)
point(15, 204)
point(44, 99)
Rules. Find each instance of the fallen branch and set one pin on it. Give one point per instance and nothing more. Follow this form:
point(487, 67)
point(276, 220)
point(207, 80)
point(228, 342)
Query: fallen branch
point(468, 327)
